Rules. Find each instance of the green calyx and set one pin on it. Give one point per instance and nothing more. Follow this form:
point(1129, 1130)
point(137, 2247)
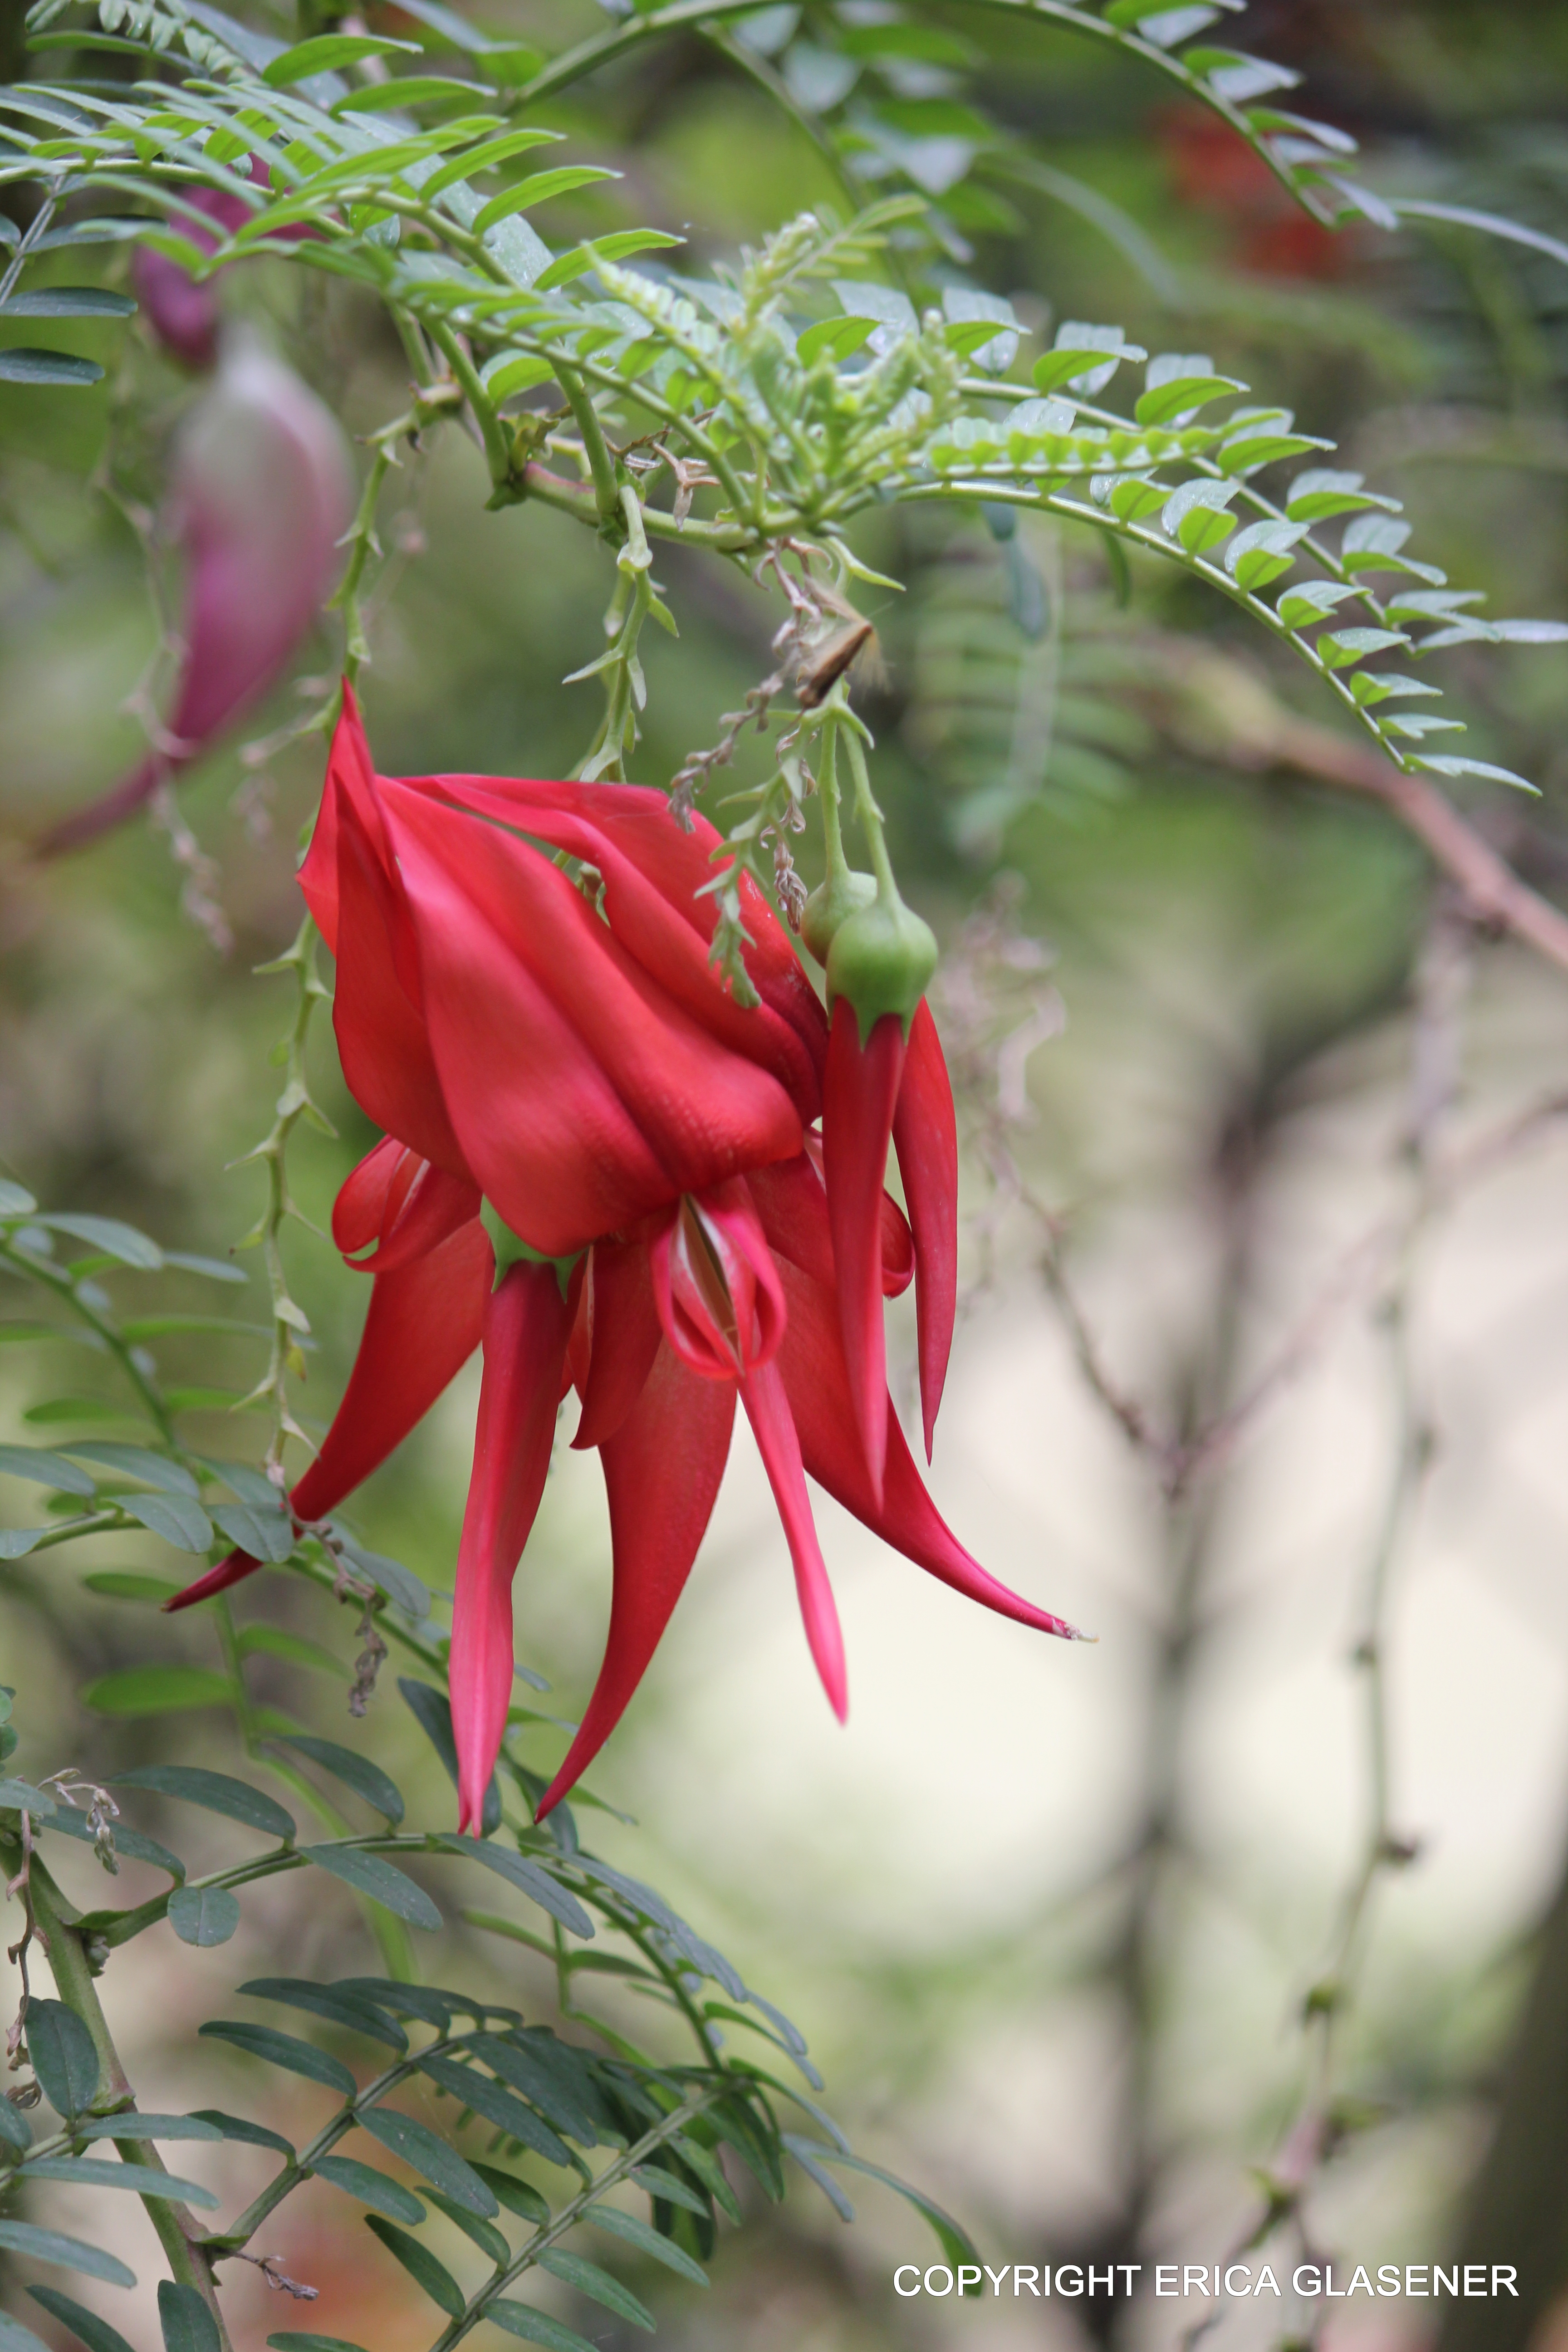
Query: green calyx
point(881, 958)
point(832, 902)
point(511, 1250)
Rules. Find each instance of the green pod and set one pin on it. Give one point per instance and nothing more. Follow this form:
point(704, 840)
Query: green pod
point(882, 959)
point(832, 903)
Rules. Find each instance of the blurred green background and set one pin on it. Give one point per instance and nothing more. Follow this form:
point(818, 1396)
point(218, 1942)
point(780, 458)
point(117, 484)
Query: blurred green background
point(1049, 1915)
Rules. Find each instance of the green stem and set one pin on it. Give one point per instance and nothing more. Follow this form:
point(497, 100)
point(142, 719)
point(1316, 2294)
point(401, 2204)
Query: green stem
point(870, 817)
point(606, 490)
point(570, 2215)
point(179, 2235)
point(497, 449)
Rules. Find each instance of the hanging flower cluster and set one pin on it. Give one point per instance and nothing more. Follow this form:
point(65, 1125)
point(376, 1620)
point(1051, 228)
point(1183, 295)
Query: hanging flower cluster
point(606, 1171)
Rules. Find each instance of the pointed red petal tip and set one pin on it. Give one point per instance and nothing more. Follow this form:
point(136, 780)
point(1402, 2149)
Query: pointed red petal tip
point(767, 1409)
point(859, 1093)
point(662, 1472)
point(527, 1324)
point(925, 1136)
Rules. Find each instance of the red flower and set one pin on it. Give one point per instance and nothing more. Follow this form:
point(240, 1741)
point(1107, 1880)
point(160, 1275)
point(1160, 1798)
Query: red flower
point(599, 1167)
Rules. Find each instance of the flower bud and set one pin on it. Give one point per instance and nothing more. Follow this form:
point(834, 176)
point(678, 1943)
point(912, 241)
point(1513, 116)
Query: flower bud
point(831, 903)
point(881, 958)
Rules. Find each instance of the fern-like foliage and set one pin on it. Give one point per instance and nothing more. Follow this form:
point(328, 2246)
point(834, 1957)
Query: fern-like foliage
point(545, 2132)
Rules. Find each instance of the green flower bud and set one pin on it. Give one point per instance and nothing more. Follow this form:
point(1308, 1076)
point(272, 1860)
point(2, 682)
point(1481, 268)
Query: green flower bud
point(831, 903)
point(882, 959)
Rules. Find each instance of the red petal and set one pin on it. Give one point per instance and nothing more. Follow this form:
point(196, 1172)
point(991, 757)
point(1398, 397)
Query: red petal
point(817, 1382)
point(625, 1328)
point(583, 1096)
point(361, 1204)
point(715, 1284)
point(527, 1323)
point(792, 1202)
point(859, 1092)
point(422, 1328)
point(423, 1325)
point(651, 874)
point(925, 1135)
point(351, 772)
point(767, 1409)
point(662, 1471)
point(377, 1013)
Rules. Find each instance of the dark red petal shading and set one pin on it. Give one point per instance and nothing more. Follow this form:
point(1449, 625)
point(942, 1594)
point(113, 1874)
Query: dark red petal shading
point(668, 935)
point(792, 1202)
point(583, 1097)
point(859, 1093)
point(624, 1338)
point(423, 1325)
point(817, 1382)
point(767, 1410)
point(925, 1136)
point(662, 1471)
point(526, 1324)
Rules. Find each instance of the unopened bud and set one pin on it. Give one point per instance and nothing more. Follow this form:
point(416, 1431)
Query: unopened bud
point(831, 903)
point(882, 959)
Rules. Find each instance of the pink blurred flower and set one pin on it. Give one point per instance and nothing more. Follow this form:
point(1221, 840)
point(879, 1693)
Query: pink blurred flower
point(261, 494)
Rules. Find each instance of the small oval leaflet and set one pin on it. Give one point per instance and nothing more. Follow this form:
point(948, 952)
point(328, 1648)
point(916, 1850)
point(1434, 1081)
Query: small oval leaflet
point(187, 2325)
point(215, 1792)
point(202, 1916)
point(141, 2179)
point(181, 1523)
point(45, 1469)
point(64, 2059)
point(590, 2279)
point(428, 2153)
point(134, 2126)
point(15, 2338)
point(67, 2253)
point(382, 1881)
point(284, 2050)
point(158, 1690)
point(371, 2188)
point(355, 2014)
point(94, 2332)
point(421, 2265)
point(355, 1771)
point(536, 2326)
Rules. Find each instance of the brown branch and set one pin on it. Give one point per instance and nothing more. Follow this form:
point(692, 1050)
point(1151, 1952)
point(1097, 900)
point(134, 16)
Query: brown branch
point(1493, 891)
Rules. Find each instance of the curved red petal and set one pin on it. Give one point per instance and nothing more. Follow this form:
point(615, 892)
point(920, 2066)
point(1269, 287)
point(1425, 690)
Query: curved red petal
point(642, 858)
point(662, 1472)
point(432, 1208)
point(816, 1382)
point(767, 1410)
point(361, 1204)
point(925, 1136)
point(583, 1096)
point(859, 1093)
point(233, 1569)
point(527, 1323)
point(423, 1325)
point(625, 1335)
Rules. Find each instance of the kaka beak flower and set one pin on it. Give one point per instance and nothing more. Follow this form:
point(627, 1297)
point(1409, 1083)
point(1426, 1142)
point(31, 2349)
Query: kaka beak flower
point(262, 492)
point(886, 1080)
point(600, 1168)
